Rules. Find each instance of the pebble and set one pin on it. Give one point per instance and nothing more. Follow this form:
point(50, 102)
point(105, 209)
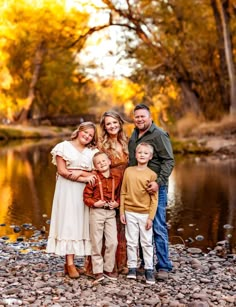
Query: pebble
point(35, 278)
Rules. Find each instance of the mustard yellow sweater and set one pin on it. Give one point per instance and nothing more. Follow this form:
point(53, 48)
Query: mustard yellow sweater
point(134, 197)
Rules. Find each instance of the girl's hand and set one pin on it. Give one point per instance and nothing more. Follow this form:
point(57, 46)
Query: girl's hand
point(74, 175)
point(90, 179)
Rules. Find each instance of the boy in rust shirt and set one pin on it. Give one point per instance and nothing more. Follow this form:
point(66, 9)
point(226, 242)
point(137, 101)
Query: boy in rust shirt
point(103, 197)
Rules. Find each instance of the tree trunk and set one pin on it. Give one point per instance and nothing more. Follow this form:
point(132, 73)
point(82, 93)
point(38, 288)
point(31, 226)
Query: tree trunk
point(191, 103)
point(223, 75)
point(38, 60)
point(228, 56)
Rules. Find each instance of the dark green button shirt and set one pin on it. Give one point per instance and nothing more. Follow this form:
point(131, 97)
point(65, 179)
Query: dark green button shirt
point(162, 162)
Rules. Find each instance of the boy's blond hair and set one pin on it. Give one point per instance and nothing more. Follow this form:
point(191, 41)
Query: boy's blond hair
point(98, 154)
point(149, 146)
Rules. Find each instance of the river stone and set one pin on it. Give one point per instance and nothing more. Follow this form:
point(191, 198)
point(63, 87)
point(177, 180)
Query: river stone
point(194, 250)
point(198, 304)
point(36, 275)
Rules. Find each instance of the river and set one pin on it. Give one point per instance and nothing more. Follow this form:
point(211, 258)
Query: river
point(202, 196)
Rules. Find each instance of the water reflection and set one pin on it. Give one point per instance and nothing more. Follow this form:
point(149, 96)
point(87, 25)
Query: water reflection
point(26, 183)
point(202, 196)
point(202, 199)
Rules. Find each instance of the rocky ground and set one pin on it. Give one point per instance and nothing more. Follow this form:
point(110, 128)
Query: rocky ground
point(34, 278)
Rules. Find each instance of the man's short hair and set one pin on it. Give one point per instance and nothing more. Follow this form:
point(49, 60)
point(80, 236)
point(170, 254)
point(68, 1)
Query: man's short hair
point(146, 145)
point(141, 106)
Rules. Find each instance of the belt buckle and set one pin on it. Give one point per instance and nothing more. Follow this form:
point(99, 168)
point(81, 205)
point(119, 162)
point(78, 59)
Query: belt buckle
point(106, 206)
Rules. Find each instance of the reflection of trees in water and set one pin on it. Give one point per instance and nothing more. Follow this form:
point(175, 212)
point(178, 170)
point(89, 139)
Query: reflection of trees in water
point(230, 177)
point(29, 177)
point(202, 195)
point(203, 198)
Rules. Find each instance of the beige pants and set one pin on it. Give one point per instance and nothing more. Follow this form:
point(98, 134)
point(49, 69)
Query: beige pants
point(135, 229)
point(103, 223)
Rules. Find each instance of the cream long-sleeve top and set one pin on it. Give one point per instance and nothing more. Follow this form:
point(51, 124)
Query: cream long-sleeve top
point(133, 196)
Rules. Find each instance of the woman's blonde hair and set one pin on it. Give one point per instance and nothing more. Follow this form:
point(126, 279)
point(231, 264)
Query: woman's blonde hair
point(106, 142)
point(84, 126)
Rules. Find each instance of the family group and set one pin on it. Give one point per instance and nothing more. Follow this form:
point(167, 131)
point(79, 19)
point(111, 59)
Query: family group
point(110, 198)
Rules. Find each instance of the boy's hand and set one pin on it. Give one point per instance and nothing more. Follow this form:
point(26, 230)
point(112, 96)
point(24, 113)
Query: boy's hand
point(148, 224)
point(152, 187)
point(122, 219)
point(99, 203)
point(113, 205)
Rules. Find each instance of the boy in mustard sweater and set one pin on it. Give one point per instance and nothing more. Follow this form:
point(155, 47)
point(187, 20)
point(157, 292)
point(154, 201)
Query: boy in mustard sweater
point(137, 211)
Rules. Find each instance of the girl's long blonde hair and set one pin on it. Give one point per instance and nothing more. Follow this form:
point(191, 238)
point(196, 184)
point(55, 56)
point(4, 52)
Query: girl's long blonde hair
point(82, 127)
point(106, 142)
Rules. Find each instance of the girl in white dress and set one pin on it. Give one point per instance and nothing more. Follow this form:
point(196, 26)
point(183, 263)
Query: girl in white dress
point(69, 227)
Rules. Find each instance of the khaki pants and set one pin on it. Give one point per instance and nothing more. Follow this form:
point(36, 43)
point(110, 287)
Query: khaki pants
point(102, 222)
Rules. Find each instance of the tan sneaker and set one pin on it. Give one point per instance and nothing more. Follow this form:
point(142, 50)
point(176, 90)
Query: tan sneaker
point(110, 275)
point(98, 277)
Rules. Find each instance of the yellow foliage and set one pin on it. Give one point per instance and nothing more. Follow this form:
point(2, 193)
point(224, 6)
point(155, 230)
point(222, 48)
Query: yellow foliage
point(172, 93)
point(21, 102)
point(119, 93)
point(5, 78)
point(24, 25)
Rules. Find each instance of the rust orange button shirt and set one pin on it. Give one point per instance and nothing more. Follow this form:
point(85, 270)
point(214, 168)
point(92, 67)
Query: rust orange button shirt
point(92, 192)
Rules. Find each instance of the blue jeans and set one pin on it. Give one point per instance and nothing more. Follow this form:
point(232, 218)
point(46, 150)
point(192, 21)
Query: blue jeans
point(160, 232)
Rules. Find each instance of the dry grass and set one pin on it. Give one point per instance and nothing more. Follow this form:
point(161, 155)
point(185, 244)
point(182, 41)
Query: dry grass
point(186, 125)
point(191, 126)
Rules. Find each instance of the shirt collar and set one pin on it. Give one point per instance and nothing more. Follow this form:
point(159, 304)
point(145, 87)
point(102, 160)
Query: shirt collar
point(150, 130)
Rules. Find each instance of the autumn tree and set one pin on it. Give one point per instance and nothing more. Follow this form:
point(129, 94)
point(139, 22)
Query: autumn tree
point(38, 58)
point(177, 48)
point(223, 13)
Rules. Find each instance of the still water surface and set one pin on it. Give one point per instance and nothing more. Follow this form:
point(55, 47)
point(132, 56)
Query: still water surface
point(202, 195)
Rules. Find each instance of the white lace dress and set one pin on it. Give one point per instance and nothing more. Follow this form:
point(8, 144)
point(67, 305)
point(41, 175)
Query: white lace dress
point(69, 227)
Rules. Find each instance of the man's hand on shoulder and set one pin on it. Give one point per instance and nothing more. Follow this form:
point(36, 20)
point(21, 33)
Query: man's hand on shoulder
point(152, 187)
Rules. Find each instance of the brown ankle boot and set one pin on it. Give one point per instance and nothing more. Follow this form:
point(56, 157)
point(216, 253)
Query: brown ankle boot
point(71, 271)
point(80, 270)
point(65, 269)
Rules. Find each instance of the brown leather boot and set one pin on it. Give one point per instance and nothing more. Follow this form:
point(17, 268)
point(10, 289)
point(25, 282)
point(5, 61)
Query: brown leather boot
point(71, 271)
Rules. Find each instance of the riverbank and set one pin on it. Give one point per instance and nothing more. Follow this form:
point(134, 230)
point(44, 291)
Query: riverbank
point(37, 279)
point(16, 132)
point(214, 141)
